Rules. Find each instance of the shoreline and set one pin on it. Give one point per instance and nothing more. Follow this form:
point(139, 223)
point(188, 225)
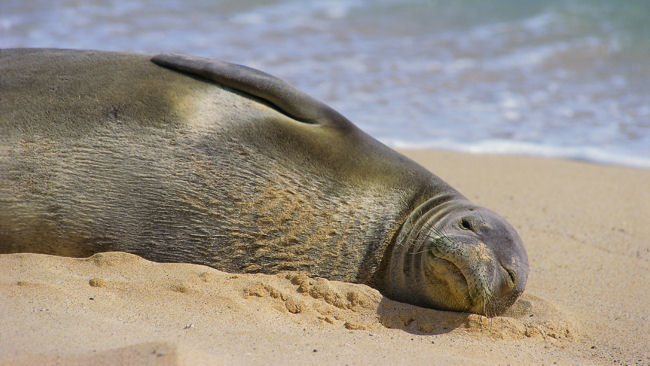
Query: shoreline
point(581, 154)
point(584, 226)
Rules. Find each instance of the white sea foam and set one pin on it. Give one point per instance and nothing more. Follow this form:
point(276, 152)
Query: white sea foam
point(494, 146)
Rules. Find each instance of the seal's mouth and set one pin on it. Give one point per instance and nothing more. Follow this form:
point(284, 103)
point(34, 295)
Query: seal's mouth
point(454, 284)
point(464, 275)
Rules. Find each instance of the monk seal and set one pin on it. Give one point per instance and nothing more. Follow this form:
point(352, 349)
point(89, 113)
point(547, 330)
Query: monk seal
point(184, 159)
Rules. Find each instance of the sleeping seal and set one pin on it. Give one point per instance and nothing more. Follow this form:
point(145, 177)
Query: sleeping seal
point(184, 159)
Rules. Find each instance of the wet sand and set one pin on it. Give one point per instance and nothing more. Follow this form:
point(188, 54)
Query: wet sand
point(585, 227)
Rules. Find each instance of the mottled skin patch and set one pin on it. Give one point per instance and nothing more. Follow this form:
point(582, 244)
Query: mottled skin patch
point(225, 166)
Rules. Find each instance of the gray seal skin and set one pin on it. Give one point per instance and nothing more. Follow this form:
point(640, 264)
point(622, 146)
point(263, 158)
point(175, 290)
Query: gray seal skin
point(182, 159)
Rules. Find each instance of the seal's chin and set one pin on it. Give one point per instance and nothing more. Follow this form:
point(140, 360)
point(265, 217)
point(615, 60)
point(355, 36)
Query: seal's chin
point(457, 287)
point(449, 285)
point(464, 275)
point(463, 283)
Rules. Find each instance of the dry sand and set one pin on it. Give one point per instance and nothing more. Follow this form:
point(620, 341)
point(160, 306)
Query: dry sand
point(586, 228)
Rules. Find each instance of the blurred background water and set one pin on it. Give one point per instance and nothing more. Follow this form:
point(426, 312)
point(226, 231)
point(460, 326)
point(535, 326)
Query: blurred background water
point(552, 78)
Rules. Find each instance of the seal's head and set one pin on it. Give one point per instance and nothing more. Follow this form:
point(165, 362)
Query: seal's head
point(457, 256)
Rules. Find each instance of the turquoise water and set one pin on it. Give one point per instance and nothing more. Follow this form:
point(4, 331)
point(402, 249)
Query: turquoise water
point(552, 78)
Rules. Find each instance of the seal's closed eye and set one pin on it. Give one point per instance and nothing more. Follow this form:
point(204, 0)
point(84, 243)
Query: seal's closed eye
point(277, 92)
point(465, 224)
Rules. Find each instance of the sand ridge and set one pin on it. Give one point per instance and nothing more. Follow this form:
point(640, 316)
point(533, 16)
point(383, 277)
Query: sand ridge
point(124, 292)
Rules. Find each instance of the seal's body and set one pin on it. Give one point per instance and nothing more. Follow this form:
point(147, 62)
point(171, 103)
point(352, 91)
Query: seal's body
point(192, 160)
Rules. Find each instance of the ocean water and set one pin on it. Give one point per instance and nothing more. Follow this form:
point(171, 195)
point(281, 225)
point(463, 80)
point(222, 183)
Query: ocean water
point(564, 79)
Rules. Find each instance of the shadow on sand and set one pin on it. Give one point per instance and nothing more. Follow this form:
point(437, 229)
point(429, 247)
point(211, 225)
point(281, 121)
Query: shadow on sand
point(529, 317)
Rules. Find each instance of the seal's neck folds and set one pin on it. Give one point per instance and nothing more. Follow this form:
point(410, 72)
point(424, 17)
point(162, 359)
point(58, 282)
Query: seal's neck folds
point(410, 242)
point(422, 218)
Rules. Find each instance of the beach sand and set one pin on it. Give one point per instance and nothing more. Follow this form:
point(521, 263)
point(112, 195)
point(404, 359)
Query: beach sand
point(586, 228)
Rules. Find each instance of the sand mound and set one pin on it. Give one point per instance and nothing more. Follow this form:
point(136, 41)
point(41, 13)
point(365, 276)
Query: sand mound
point(117, 306)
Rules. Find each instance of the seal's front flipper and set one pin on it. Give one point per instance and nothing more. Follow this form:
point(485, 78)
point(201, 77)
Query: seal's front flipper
point(279, 93)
